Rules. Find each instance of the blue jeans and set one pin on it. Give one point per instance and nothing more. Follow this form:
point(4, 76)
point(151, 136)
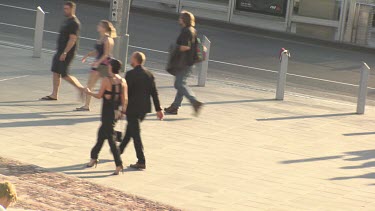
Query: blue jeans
point(182, 88)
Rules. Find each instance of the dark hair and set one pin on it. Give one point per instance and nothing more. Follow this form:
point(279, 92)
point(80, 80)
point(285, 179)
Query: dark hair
point(109, 28)
point(188, 18)
point(140, 57)
point(70, 4)
point(116, 66)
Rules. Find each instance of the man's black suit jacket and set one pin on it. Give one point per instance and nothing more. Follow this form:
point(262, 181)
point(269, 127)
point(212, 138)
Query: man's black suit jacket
point(141, 87)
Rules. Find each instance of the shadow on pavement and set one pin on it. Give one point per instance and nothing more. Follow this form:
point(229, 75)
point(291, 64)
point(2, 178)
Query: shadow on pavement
point(307, 117)
point(107, 173)
point(77, 169)
point(312, 159)
point(235, 101)
point(49, 122)
point(74, 167)
point(25, 103)
point(88, 172)
point(364, 176)
point(169, 119)
point(19, 101)
point(353, 156)
point(42, 115)
point(239, 101)
point(359, 134)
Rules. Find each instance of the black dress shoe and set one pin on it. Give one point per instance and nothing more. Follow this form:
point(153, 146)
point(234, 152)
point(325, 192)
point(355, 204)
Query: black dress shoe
point(138, 166)
point(197, 107)
point(171, 110)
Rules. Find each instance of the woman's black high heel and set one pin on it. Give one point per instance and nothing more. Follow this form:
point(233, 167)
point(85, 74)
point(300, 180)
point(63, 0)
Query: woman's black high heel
point(118, 172)
point(94, 164)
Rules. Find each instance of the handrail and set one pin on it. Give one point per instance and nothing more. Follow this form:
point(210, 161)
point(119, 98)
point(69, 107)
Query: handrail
point(20, 8)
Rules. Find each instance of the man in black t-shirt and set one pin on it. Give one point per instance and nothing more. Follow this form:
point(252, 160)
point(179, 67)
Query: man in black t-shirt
point(186, 43)
point(66, 48)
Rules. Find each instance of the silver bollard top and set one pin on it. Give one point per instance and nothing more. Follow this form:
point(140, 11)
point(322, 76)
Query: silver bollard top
point(283, 51)
point(366, 66)
point(40, 9)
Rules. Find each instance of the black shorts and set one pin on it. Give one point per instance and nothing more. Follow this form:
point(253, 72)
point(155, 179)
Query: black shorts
point(61, 67)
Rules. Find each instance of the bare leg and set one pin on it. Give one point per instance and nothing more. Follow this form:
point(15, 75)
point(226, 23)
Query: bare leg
point(56, 80)
point(93, 78)
point(74, 81)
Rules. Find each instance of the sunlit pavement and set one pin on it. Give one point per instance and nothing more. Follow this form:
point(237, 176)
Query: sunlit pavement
point(245, 152)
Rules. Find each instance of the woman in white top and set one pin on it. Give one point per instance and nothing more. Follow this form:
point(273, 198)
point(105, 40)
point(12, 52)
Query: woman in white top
point(8, 195)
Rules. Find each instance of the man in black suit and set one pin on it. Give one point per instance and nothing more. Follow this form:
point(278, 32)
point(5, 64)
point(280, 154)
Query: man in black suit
point(141, 87)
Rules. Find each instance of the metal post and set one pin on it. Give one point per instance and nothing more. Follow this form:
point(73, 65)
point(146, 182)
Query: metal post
point(362, 93)
point(119, 15)
point(231, 6)
point(178, 6)
point(281, 81)
point(288, 16)
point(343, 18)
point(38, 34)
point(202, 75)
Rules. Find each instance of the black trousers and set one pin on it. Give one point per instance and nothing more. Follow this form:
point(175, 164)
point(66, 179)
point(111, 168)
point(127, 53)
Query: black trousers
point(133, 130)
point(106, 131)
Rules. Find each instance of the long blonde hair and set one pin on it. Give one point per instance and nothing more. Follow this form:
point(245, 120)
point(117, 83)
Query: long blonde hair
point(109, 28)
point(188, 18)
point(9, 191)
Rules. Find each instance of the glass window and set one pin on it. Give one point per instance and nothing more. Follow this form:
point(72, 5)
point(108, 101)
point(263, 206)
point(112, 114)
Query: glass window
point(271, 7)
point(323, 9)
point(218, 2)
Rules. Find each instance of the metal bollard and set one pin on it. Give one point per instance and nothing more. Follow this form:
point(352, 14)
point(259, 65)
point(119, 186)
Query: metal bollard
point(123, 43)
point(281, 81)
point(119, 15)
point(178, 6)
point(202, 75)
point(38, 34)
point(362, 93)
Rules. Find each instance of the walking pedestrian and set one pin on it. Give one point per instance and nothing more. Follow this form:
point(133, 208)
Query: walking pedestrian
point(141, 88)
point(66, 48)
point(115, 94)
point(103, 53)
point(186, 43)
point(8, 195)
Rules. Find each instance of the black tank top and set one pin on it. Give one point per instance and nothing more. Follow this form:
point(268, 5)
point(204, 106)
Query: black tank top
point(100, 49)
point(112, 104)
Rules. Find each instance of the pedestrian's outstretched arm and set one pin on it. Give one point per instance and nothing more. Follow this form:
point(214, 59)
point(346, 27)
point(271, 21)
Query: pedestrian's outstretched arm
point(184, 48)
point(91, 53)
point(103, 87)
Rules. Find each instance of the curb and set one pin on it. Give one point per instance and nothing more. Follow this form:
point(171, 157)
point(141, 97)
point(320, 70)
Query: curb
point(244, 28)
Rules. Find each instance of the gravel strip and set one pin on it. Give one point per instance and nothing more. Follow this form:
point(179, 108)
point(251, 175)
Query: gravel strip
point(39, 189)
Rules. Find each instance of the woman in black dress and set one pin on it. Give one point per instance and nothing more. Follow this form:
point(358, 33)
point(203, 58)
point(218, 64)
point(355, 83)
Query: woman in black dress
point(114, 92)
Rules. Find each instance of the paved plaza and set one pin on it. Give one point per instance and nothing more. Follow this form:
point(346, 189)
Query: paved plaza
point(245, 152)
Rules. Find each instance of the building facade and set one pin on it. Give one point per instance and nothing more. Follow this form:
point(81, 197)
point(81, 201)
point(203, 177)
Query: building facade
point(347, 21)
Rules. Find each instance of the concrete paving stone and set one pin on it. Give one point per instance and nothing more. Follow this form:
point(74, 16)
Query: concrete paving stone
point(193, 206)
point(202, 188)
point(215, 162)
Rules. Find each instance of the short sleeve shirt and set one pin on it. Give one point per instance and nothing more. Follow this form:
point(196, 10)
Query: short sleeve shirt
point(187, 38)
point(70, 26)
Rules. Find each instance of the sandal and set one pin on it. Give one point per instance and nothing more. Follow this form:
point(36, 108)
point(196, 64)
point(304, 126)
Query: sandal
point(83, 108)
point(48, 98)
